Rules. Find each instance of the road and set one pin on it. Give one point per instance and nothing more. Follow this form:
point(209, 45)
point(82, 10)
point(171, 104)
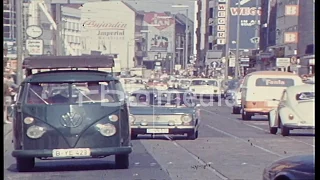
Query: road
point(227, 148)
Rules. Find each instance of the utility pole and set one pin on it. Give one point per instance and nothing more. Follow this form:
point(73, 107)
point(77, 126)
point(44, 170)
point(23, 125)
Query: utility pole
point(187, 39)
point(257, 25)
point(58, 42)
point(173, 44)
point(19, 40)
point(236, 69)
point(227, 54)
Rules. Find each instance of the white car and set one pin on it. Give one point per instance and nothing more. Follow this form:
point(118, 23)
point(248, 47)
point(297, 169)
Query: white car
point(235, 100)
point(133, 84)
point(206, 88)
point(296, 110)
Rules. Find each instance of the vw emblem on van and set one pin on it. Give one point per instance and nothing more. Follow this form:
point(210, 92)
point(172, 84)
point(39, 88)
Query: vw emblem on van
point(71, 120)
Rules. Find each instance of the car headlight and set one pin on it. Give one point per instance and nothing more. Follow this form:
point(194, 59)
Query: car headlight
point(35, 132)
point(291, 116)
point(28, 120)
point(113, 118)
point(186, 118)
point(131, 119)
point(106, 129)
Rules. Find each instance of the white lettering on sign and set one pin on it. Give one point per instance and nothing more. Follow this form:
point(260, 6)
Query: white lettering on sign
point(249, 23)
point(222, 21)
point(291, 10)
point(245, 11)
point(221, 7)
point(243, 2)
point(221, 34)
point(275, 82)
point(221, 28)
point(221, 14)
point(222, 0)
point(221, 41)
point(290, 37)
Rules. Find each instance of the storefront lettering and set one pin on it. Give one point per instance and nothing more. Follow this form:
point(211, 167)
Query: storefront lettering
point(245, 11)
point(102, 25)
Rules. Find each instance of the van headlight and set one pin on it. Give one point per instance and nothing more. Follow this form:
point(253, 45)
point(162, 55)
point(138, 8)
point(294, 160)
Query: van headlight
point(106, 129)
point(35, 132)
point(186, 118)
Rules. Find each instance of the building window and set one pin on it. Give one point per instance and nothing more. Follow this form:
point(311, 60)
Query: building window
point(210, 46)
point(46, 26)
point(211, 13)
point(210, 30)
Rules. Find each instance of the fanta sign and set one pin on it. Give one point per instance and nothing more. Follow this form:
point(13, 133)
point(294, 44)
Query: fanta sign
point(245, 11)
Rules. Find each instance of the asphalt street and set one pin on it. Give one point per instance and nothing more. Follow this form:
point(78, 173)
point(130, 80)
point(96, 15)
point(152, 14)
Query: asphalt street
point(227, 148)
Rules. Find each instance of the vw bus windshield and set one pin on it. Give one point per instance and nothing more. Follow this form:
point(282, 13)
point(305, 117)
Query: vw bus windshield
point(74, 93)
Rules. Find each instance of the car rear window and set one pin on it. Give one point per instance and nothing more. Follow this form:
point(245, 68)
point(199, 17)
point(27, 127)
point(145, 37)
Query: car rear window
point(274, 82)
point(305, 96)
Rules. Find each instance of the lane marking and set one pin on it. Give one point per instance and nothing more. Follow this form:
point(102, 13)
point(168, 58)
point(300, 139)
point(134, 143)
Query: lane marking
point(256, 127)
point(213, 170)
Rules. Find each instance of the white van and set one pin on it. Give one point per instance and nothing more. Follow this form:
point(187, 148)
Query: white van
point(261, 91)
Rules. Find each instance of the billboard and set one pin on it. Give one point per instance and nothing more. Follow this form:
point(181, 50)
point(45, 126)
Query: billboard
point(160, 35)
point(247, 13)
point(109, 28)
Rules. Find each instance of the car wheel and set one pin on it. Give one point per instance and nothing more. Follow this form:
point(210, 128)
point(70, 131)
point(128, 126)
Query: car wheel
point(235, 110)
point(134, 136)
point(272, 130)
point(122, 161)
point(25, 164)
point(246, 116)
point(284, 130)
point(192, 136)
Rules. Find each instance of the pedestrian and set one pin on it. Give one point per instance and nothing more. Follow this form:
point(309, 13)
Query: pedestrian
point(7, 102)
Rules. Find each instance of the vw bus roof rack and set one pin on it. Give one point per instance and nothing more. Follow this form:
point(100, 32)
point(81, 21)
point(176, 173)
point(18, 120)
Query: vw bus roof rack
point(62, 62)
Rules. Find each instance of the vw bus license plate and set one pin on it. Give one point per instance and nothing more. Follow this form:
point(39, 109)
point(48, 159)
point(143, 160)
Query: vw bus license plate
point(80, 152)
point(157, 130)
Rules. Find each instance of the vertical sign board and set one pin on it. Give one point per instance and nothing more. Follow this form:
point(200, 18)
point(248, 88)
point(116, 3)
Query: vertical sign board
point(221, 27)
point(34, 46)
point(247, 13)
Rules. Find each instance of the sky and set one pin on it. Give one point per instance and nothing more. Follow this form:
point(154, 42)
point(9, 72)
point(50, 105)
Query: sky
point(154, 5)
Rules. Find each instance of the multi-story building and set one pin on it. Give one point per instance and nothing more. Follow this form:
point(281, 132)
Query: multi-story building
point(287, 31)
point(71, 26)
point(306, 35)
point(9, 28)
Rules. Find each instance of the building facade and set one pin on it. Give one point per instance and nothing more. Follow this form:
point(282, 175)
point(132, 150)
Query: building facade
point(114, 32)
point(306, 35)
point(287, 34)
point(71, 30)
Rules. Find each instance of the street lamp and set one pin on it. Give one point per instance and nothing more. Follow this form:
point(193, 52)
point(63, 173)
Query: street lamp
point(186, 31)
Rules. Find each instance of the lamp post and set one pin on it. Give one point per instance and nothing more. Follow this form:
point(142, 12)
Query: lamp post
point(186, 32)
point(236, 68)
point(19, 39)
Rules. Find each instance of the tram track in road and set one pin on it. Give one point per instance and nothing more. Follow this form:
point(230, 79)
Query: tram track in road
point(206, 165)
point(253, 126)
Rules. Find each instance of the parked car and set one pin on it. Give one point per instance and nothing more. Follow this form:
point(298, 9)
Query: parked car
point(55, 119)
point(164, 112)
point(296, 110)
point(301, 167)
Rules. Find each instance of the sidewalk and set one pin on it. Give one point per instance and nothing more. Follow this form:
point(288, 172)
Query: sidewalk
point(6, 127)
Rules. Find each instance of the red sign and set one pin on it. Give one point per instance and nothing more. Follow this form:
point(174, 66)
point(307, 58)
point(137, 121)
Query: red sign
point(92, 24)
point(161, 20)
